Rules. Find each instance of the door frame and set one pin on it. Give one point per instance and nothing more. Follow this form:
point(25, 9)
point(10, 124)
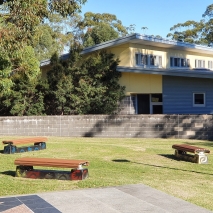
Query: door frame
point(151, 104)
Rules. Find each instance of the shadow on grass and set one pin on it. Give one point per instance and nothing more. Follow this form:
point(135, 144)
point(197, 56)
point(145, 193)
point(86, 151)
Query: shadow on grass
point(163, 167)
point(9, 173)
point(121, 160)
point(1, 151)
point(170, 156)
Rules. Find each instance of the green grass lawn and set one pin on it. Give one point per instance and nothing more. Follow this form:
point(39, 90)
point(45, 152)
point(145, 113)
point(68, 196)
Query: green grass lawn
point(118, 161)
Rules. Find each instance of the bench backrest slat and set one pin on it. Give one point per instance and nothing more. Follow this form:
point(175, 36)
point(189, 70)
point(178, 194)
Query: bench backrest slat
point(50, 162)
point(25, 140)
point(189, 148)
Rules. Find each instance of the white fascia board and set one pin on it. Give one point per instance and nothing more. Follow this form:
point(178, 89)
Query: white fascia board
point(110, 43)
point(170, 72)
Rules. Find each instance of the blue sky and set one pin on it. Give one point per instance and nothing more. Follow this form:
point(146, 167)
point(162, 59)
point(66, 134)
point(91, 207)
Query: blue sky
point(157, 15)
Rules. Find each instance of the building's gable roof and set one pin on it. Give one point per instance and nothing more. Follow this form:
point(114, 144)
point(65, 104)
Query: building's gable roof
point(142, 39)
point(151, 41)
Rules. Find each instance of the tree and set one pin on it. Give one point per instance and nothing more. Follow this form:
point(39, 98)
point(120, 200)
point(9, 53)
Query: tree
point(19, 27)
point(193, 33)
point(58, 97)
point(84, 86)
point(25, 97)
point(100, 28)
point(200, 32)
point(55, 35)
point(5, 70)
point(99, 34)
point(21, 33)
point(96, 90)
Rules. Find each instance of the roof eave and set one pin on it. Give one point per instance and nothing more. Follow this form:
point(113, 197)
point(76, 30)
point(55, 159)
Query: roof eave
point(169, 72)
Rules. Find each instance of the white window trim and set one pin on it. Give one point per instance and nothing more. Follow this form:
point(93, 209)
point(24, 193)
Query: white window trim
point(202, 62)
point(153, 103)
point(148, 61)
point(199, 105)
point(157, 60)
point(210, 65)
point(187, 61)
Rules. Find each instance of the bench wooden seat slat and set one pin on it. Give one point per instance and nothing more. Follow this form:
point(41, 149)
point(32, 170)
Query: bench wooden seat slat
point(50, 162)
point(189, 148)
point(25, 140)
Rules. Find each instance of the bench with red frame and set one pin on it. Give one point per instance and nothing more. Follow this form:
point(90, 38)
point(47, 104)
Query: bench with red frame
point(182, 152)
point(24, 168)
point(13, 146)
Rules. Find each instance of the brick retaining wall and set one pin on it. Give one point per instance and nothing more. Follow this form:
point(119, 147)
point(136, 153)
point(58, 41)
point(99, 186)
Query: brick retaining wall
point(129, 126)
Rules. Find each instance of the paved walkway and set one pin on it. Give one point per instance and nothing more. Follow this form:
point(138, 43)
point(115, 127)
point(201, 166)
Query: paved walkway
point(136, 198)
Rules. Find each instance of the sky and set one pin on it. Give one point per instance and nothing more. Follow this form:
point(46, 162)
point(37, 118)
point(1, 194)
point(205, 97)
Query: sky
point(157, 15)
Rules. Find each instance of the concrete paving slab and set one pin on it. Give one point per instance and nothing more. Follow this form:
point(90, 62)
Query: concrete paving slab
point(136, 198)
point(120, 199)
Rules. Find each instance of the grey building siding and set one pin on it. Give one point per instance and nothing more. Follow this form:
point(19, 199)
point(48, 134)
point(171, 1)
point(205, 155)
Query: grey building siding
point(178, 95)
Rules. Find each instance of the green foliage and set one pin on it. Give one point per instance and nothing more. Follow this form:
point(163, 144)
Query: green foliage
point(65, 7)
point(95, 19)
point(47, 43)
point(58, 97)
point(22, 32)
point(193, 33)
point(55, 35)
point(209, 11)
point(200, 32)
point(25, 97)
point(84, 86)
point(101, 27)
point(30, 66)
point(99, 34)
point(5, 70)
point(101, 79)
point(32, 30)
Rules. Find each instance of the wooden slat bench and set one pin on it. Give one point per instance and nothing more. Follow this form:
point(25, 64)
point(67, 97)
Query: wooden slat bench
point(12, 146)
point(25, 168)
point(182, 150)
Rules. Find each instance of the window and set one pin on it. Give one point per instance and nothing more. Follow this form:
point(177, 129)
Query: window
point(198, 99)
point(156, 60)
point(141, 59)
point(156, 97)
point(148, 60)
point(149, 103)
point(179, 62)
point(199, 63)
point(210, 64)
point(176, 62)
